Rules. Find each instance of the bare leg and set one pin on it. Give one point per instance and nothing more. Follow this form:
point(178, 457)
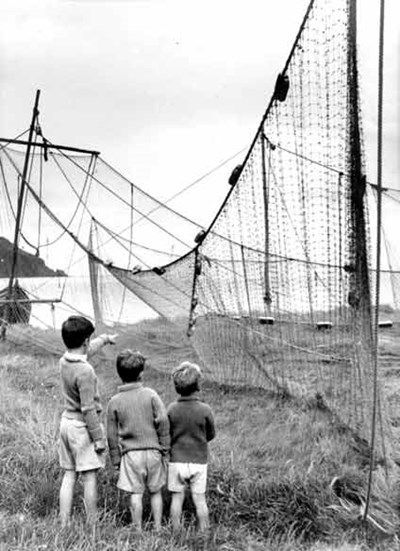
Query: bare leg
point(136, 507)
point(66, 495)
point(176, 509)
point(156, 508)
point(200, 503)
point(89, 480)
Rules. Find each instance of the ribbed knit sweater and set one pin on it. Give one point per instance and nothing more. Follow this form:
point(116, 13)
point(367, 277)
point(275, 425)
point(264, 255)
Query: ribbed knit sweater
point(79, 385)
point(191, 428)
point(136, 420)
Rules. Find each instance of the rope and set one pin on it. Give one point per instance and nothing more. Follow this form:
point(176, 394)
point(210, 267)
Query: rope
point(322, 165)
point(31, 161)
point(88, 183)
point(40, 195)
point(114, 236)
point(57, 221)
point(198, 226)
point(13, 139)
point(378, 252)
point(11, 160)
point(129, 256)
point(200, 179)
point(41, 203)
point(80, 201)
point(118, 237)
point(103, 185)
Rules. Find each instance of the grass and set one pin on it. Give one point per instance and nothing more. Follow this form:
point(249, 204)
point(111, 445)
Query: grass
point(270, 469)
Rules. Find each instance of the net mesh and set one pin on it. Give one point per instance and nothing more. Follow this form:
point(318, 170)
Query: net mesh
point(281, 289)
point(276, 292)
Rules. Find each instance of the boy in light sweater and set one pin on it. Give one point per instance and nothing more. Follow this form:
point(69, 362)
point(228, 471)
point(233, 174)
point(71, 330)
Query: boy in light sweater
point(82, 439)
point(138, 437)
point(191, 428)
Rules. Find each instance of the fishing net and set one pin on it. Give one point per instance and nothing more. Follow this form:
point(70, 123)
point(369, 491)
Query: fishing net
point(280, 284)
point(276, 293)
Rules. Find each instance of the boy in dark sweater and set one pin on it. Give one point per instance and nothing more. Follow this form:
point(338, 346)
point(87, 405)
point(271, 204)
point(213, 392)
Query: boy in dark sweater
point(191, 428)
point(138, 437)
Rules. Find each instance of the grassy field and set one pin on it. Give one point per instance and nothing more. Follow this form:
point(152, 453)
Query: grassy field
point(270, 469)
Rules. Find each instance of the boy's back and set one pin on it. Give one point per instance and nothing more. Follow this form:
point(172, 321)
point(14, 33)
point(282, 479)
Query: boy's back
point(82, 439)
point(191, 428)
point(136, 420)
point(138, 437)
point(79, 386)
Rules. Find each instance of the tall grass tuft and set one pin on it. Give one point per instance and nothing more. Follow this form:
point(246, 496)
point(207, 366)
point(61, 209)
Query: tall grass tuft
point(272, 509)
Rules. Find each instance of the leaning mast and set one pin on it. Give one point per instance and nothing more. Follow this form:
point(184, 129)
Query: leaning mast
point(19, 209)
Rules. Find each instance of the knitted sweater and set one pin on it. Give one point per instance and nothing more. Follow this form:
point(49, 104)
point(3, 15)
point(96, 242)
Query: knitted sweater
point(79, 385)
point(191, 428)
point(136, 420)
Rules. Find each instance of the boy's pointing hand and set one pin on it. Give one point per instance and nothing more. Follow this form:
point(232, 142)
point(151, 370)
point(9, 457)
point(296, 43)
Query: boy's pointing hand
point(99, 446)
point(112, 338)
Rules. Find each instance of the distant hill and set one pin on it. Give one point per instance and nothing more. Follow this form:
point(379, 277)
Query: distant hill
point(28, 265)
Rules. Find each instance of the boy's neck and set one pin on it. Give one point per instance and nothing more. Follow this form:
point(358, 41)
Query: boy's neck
point(138, 380)
point(81, 350)
point(191, 395)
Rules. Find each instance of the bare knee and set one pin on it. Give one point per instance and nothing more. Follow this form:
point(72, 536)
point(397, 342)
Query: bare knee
point(89, 476)
point(136, 500)
point(69, 477)
point(200, 504)
point(176, 509)
point(177, 500)
point(199, 500)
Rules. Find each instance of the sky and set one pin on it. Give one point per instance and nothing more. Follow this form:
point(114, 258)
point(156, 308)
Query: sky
point(168, 89)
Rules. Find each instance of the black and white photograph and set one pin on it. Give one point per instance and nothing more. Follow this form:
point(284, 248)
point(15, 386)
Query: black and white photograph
point(199, 275)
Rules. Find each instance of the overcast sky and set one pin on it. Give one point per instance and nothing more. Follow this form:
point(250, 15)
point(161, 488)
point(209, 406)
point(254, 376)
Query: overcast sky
point(168, 89)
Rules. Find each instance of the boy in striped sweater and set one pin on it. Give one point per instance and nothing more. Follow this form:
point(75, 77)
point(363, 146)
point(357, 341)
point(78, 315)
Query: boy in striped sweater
point(138, 437)
point(82, 442)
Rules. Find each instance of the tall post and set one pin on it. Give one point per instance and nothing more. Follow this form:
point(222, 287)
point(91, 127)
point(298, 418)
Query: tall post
point(19, 212)
point(94, 282)
point(267, 291)
point(359, 298)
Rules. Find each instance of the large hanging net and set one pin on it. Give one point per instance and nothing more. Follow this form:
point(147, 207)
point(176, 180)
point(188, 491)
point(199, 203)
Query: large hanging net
point(277, 291)
point(101, 216)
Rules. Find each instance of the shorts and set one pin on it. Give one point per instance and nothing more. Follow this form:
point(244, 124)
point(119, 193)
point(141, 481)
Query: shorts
point(192, 474)
point(141, 469)
point(76, 448)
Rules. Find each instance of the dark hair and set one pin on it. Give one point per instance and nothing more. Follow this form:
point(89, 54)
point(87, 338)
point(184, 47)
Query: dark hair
point(186, 378)
point(130, 365)
point(75, 330)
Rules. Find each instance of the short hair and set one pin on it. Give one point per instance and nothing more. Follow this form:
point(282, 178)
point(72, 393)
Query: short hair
point(130, 365)
point(75, 330)
point(186, 378)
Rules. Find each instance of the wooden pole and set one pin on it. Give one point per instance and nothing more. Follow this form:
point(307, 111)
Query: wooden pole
point(19, 212)
point(48, 145)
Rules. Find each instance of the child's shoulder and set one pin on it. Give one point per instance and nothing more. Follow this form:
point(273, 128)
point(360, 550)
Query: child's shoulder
point(203, 407)
point(79, 365)
point(149, 390)
point(204, 404)
point(114, 398)
point(173, 405)
point(198, 402)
